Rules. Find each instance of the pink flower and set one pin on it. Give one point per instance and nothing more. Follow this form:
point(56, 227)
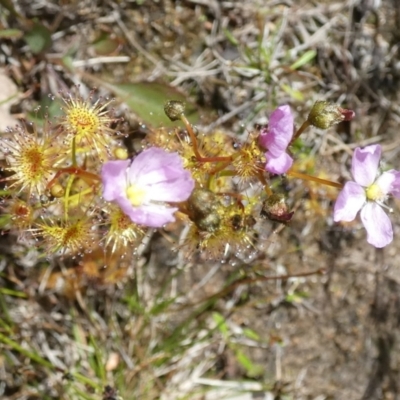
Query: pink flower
point(276, 138)
point(142, 187)
point(367, 195)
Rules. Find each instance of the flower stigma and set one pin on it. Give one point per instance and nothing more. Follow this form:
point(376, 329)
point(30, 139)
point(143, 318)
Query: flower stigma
point(375, 193)
point(136, 195)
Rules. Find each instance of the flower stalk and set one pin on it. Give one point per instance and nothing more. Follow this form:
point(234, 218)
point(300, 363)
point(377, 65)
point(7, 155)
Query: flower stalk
point(305, 177)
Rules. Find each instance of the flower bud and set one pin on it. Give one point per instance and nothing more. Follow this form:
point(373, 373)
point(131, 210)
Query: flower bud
point(324, 114)
point(121, 153)
point(174, 109)
point(275, 209)
point(57, 190)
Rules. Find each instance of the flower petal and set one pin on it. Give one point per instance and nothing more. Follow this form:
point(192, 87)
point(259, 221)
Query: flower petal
point(156, 174)
point(389, 182)
point(154, 165)
point(175, 190)
point(280, 131)
point(377, 224)
point(349, 202)
point(153, 215)
point(364, 166)
point(395, 186)
point(113, 176)
point(161, 175)
point(278, 165)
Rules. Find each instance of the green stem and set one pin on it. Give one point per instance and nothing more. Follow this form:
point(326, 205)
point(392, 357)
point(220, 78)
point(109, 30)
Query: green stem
point(72, 198)
point(66, 196)
point(34, 357)
point(85, 380)
point(74, 162)
point(14, 293)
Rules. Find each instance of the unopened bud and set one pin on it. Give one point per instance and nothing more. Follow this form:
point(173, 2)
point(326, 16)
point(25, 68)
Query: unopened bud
point(275, 209)
point(121, 153)
point(174, 109)
point(324, 114)
point(57, 190)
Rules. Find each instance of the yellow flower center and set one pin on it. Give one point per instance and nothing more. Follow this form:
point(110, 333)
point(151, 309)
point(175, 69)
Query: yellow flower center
point(83, 121)
point(32, 160)
point(121, 153)
point(136, 195)
point(374, 193)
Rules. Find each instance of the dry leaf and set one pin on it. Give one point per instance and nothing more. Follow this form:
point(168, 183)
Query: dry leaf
point(8, 96)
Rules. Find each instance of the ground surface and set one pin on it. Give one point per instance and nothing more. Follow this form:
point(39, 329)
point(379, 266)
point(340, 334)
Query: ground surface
point(169, 327)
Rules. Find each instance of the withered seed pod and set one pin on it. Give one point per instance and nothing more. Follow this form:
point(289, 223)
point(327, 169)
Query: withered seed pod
point(209, 223)
point(276, 209)
point(203, 207)
point(203, 201)
point(240, 221)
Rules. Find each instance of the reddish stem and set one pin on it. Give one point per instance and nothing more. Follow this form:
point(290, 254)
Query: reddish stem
point(87, 176)
point(219, 168)
point(193, 139)
point(306, 177)
point(262, 179)
point(303, 127)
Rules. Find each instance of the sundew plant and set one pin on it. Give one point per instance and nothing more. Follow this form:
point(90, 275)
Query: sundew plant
point(199, 200)
point(74, 187)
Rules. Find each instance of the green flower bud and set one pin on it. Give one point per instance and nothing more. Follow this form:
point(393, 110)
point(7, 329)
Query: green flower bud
point(324, 114)
point(57, 190)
